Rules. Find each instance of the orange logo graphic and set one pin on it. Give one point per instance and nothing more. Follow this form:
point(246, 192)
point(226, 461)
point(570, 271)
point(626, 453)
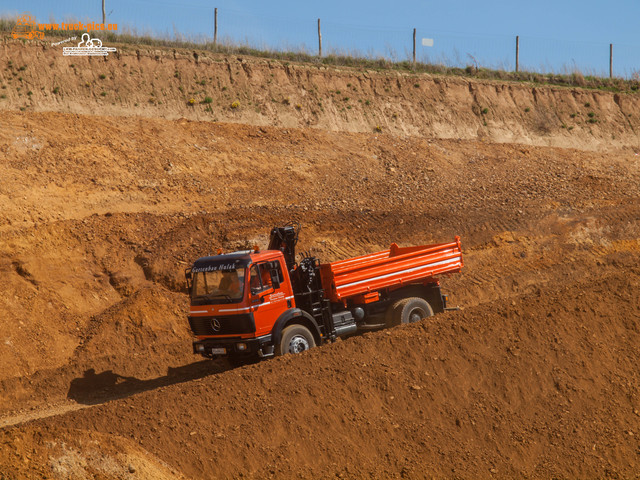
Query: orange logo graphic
point(26, 28)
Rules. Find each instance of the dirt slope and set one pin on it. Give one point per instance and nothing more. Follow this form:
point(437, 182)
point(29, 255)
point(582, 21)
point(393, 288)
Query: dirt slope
point(100, 214)
point(542, 387)
point(138, 81)
point(93, 248)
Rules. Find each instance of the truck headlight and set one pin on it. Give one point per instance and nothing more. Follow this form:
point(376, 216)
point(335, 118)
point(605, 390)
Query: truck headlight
point(241, 346)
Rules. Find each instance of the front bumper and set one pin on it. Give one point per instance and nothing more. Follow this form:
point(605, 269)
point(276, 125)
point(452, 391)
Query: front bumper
point(215, 347)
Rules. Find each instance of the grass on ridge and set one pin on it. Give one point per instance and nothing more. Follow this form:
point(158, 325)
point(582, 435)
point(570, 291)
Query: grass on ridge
point(354, 60)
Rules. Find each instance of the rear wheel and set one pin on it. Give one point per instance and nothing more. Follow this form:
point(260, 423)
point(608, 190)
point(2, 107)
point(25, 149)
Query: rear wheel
point(295, 339)
point(408, 310)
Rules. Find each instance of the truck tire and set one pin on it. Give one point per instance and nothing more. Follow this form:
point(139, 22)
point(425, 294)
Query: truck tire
point(408, 310)
point(295, 339)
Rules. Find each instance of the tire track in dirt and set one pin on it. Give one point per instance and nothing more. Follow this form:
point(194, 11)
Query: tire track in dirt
point(93, 390)
point(13, 419)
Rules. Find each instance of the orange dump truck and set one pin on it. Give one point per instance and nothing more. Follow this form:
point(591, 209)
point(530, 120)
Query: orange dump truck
point(262, 303)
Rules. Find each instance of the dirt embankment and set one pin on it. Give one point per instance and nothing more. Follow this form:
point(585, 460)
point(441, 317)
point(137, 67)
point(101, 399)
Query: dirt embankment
point(98, 228)
point(539, 387)
point(138, 81)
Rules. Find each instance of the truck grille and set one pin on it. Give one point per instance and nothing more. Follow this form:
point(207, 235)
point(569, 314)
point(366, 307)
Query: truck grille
point(222, 325)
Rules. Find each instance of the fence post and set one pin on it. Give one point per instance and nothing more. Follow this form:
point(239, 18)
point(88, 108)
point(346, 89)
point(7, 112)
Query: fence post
point(319, 40)
point(517, 53)
point(611, 60)
point(215, 26)
point(414, 47)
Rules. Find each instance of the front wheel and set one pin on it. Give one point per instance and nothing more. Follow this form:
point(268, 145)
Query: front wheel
point(295, 339)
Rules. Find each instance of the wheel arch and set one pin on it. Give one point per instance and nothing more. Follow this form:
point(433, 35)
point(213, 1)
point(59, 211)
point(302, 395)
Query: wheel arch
point(295, 316)
point(429, 292)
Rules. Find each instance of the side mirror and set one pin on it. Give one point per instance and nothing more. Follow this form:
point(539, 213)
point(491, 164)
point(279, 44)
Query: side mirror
point(188, 276)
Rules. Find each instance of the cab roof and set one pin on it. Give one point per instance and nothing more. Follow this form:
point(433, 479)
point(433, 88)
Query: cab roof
point(232, 260)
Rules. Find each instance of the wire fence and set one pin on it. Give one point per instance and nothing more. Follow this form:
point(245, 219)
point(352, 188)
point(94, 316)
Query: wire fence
point(431, 47)
point(169, 19)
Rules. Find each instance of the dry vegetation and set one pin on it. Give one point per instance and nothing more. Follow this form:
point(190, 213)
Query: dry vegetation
point(356, 60)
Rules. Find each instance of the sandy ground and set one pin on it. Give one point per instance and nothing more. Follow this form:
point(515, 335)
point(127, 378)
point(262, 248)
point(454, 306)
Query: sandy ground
point(535, 376)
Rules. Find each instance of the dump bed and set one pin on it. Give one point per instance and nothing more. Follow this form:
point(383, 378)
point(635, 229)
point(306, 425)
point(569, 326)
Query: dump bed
point(394, 267)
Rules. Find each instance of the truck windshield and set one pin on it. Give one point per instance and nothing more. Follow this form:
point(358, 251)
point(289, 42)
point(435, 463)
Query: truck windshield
point(218, 286)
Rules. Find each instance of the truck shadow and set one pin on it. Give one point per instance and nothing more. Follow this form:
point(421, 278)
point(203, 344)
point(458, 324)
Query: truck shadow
point(95, 388)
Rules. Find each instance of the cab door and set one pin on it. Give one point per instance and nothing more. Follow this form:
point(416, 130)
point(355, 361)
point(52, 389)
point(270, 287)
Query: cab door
point(267, 301)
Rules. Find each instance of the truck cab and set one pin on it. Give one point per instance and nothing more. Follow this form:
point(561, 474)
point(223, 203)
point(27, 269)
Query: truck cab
point(236, 299)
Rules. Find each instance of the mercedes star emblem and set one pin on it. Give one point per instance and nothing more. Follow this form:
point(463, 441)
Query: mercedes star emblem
point(215, 324)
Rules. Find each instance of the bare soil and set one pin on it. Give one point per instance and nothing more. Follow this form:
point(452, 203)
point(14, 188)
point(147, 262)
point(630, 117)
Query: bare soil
point(534, 377)
point(176, 83)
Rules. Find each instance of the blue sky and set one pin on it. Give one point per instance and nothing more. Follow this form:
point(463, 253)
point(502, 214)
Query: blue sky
point(554, 35)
